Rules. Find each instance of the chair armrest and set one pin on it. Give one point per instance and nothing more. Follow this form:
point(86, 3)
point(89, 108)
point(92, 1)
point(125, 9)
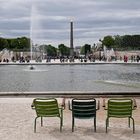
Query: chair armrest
point(32, 105)
point(104, 105)
point(134, 104)
point(69, 105)
point(63, 105)
point(98, 105)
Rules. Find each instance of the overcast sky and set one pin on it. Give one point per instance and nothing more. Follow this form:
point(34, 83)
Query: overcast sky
point(49, 20)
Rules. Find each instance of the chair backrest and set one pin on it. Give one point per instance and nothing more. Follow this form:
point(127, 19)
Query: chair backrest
point(46, 107)
point(120, 108)
point(84, 108)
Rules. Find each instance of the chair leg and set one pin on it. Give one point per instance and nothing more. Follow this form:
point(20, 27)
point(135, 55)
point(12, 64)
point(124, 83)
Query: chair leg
point(133, 125)
point(129, 122)
point(61, 123)
point(35, 125)
point(62, 117)
point(95, 124)
point(72, 124)
point(41, 121)
point(107, 123)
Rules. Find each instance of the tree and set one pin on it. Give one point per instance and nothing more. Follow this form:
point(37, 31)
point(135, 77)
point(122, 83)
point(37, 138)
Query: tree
point(136, 40)
point(108, 41)
point(24, 43)
point(51, 50)
point(131, 42)
point(64, 50)
point(127, 42)
point(14, 44)
point(3, 43)
point(86, 49)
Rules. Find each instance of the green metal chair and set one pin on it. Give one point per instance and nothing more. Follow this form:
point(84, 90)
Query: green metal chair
point(83, 109)
point(47, 108)
point(120, 108)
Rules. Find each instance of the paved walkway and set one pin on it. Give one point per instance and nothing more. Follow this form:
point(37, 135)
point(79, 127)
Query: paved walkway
point(17, 119)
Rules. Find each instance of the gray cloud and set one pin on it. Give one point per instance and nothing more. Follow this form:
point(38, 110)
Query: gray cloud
point(93, 19)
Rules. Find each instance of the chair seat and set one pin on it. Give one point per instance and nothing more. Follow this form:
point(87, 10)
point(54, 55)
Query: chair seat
point(83, 109)
point(120, 108)
point(47, 107)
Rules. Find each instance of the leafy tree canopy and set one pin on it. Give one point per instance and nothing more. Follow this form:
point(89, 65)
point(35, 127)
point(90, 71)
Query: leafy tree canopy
point(86, 49)
point(64, 50)
point(108, 41)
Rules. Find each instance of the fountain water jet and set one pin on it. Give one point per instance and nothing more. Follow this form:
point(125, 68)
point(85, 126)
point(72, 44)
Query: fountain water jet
point(34, 30)
point(31, 36)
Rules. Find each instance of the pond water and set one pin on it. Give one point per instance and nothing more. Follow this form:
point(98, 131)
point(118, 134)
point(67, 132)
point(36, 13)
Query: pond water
point(97, 77)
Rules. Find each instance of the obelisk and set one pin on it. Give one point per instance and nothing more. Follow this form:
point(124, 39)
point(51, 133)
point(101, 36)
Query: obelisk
point(71, 38)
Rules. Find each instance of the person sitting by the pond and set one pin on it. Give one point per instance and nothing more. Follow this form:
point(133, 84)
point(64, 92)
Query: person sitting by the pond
point(13, 59)
point(4, 60)
point(125, 58)
point(21, 60)
point(85, 60)
point(93, 58)
point(132, 58)
point(120, 58)
point(7, 60)
point(138, 58)
point(27, 59)
point(61, 59)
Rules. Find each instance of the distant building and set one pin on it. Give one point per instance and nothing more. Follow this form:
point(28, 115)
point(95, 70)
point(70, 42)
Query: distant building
point(77, 50)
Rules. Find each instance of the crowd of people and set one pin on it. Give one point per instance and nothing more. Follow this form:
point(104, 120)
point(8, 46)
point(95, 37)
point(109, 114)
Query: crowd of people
point(62, 59)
